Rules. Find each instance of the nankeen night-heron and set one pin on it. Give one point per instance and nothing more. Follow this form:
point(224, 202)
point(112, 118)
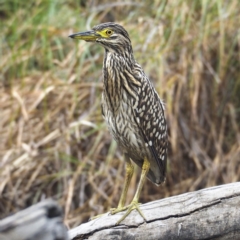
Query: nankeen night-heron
point(132, 109)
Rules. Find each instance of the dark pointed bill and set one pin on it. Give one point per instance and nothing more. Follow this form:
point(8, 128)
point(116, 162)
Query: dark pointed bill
point(89, 36)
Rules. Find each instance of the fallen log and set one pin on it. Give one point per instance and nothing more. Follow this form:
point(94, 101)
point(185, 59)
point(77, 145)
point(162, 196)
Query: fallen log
point(211, 213)
point(42, 221)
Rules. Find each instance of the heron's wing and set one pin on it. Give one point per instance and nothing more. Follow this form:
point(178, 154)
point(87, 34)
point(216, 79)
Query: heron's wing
point(149, 115)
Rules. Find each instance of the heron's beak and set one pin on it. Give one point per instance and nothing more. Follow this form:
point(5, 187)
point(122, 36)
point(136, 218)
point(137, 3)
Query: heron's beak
point(89, 36)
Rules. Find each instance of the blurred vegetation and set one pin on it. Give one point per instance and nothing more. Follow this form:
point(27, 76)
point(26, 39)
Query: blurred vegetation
point(54, 142)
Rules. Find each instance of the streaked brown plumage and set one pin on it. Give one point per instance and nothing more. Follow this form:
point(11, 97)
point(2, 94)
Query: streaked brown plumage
point(132, 109)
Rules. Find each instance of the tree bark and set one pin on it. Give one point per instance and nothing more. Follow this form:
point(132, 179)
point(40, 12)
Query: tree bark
point(42, 221)
point(211, 213)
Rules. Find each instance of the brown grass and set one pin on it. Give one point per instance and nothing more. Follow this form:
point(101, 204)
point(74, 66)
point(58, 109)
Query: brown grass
point(54, 142)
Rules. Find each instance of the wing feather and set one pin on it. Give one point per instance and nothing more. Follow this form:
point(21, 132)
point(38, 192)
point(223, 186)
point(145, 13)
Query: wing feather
point(149, 115)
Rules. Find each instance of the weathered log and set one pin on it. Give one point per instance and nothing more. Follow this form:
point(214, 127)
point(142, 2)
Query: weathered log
point(42, 221)
point(211, 213)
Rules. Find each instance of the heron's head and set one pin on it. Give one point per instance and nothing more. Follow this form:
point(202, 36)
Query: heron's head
point(113, 37)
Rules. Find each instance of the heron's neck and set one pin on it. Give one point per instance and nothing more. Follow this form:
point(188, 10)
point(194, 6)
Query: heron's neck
point(116, 70)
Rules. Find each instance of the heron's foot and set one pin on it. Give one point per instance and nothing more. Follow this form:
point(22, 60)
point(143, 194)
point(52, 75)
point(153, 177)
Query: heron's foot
point(133, 205)
point(98, 216)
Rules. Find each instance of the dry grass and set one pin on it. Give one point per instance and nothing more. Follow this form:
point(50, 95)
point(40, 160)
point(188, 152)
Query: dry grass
point(54, 142)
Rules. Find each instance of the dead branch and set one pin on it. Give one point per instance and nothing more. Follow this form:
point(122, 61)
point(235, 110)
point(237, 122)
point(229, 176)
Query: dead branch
point(42, 221)
point(211, 213)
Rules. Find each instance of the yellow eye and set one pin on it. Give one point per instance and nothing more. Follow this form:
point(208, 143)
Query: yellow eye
point(109, 32)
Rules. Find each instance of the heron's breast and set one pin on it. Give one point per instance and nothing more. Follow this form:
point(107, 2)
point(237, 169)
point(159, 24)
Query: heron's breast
point(122, 125)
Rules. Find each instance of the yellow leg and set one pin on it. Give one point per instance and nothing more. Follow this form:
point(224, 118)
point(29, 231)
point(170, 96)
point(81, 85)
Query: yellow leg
point(134, 204)
point(128, 177)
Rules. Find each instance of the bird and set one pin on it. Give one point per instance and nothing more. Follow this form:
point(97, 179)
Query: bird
point(133, 111)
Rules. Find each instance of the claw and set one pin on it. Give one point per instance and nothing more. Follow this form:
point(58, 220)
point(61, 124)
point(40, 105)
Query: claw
point(129, 208)
point(95, 217)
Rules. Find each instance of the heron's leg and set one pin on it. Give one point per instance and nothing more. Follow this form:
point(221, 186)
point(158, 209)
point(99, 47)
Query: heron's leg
point(134, 204)
point(128, 177)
